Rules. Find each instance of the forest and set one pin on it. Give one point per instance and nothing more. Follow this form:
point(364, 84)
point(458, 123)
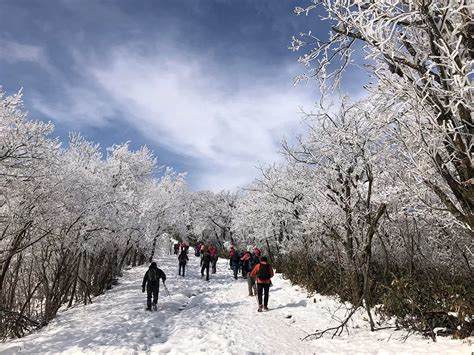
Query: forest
point(374, 203)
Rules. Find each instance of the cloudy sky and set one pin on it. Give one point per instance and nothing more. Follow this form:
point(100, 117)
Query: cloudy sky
point(208, 85)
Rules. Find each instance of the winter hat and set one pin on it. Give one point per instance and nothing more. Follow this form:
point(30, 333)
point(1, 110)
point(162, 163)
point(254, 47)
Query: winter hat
point(153, 266)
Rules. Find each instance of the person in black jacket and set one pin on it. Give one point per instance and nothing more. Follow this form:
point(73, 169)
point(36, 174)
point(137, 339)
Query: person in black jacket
point(182, 259)
point(205, 263)
point(151, 281)
point(235, 263)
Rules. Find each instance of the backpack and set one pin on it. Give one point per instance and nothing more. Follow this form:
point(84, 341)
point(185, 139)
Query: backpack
point(264, 272)
point(235, 257)
point(153, 275)
point(247, 266)
point(254, 260)
point(206, 258)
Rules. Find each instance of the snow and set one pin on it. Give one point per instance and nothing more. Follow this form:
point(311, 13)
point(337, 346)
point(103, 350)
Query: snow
point(216, 317)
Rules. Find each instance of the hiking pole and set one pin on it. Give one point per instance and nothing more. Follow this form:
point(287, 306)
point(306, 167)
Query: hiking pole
point(166, 289)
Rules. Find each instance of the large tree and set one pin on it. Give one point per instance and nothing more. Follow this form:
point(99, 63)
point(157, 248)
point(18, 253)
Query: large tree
point(421, 52)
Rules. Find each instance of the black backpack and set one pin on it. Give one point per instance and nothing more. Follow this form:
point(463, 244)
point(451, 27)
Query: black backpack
point(153, 275)
point(264, 272)
point(206, 258)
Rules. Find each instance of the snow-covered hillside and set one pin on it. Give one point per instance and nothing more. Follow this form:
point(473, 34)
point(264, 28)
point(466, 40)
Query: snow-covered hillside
point(216, 317)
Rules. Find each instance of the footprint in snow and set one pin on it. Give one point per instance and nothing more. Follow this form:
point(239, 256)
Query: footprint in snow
point(183, 306)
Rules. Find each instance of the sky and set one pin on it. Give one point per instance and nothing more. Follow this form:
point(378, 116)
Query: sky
point(207, 85)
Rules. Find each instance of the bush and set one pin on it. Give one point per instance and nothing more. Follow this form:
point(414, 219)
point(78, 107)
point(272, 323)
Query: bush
point(429, 301)
point(425, 303)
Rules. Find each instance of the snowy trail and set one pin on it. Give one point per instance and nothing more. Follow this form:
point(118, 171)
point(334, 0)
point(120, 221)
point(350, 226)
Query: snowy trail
point(216, 317)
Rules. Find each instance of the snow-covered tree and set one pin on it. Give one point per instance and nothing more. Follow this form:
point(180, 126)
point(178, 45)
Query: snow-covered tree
point(70, 219)
point(421, 54)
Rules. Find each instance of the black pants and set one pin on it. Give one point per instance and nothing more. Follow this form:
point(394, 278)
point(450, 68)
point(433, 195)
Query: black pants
point(152, 290)
point(235, 269)
point(182, 266)
point(214, 265)
point(205, 266)
point(261, 288)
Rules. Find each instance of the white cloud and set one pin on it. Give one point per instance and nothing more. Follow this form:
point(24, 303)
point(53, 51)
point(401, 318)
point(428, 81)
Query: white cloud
point(79, 106)
point(226, 120)
point(192, 106)
point(14, 52)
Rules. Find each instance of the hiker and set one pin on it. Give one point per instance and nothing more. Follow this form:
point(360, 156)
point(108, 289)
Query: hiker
point(231, 254)
point(245, 259)
point(197, 250)
point(176, 248)
point(263, 272)
point(235, 263)
point(254, 260)
point(214, 257)
point(205, 262)
point(152, 282)
point(182, 260)
point(202, 251)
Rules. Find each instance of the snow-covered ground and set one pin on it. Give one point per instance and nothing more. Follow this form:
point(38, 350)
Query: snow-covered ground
point(216, 317)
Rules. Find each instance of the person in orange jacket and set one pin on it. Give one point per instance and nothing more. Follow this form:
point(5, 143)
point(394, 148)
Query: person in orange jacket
point(263, 273)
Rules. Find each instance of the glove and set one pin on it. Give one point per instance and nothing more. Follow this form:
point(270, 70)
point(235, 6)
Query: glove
point(143, 289)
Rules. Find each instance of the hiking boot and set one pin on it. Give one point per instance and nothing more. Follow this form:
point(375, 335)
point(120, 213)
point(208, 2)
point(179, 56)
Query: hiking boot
point(148, 309)
point(265, 309)
point(259, 309)
point(250, 294)
point(155, 307)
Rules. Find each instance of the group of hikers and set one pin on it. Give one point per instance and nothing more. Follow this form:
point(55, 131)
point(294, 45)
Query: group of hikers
point(254, 267)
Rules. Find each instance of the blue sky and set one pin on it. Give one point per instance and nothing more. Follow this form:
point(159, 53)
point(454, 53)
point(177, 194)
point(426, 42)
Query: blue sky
point(207, 85)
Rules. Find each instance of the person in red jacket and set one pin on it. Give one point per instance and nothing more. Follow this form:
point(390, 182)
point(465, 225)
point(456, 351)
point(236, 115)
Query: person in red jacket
point(263, 272)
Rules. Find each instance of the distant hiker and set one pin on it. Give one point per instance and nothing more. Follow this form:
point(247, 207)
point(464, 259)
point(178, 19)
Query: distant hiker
point(182, 260)
point(203, 249)
point(197, 250)
point(251, 282)
point(263, 272)
point(205, 263)
point(176, 248)
point(231, 254)
point(214, 257)
point(245, 260)
point(235, 263)
point(152, 282)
